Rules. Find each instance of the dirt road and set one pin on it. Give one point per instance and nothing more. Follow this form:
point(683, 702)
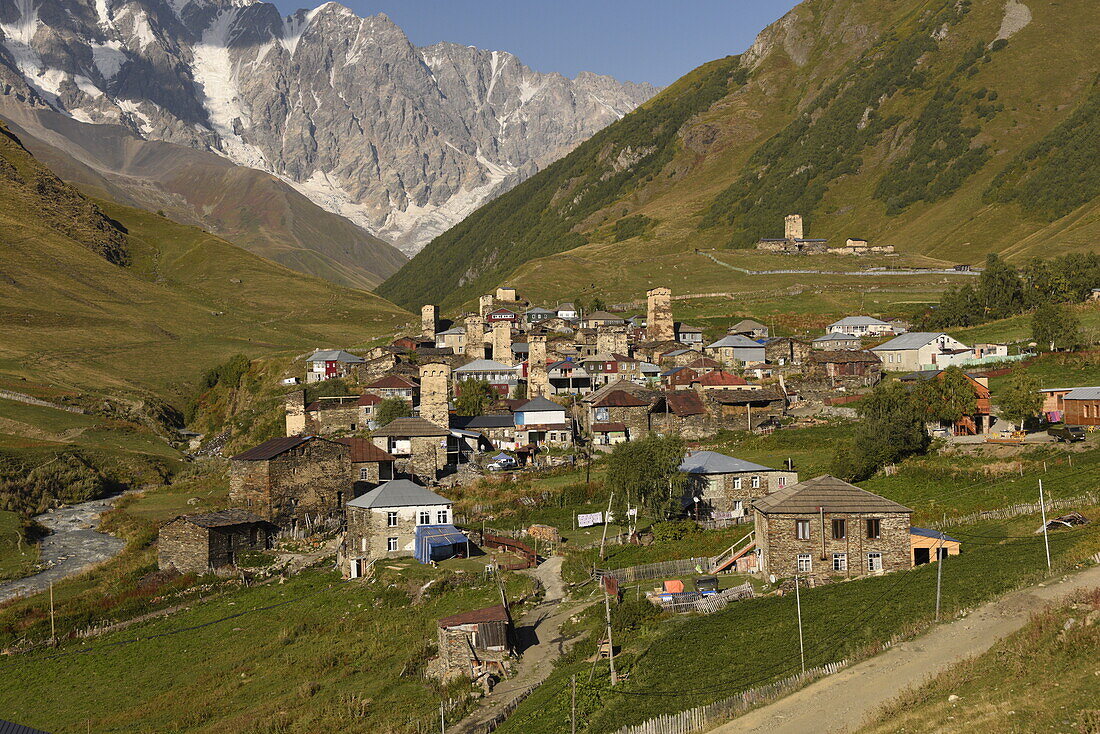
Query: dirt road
point(543, 624)
point(844, 701)
point(73, 546)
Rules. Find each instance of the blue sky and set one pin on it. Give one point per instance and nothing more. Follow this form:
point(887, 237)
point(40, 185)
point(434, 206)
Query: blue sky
point(638, 40)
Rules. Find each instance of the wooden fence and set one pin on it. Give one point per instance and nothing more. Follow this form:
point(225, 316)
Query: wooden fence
point(1026, 508)
point(504, 713)
point(29, 400)
point(702, 717)
point(657, 570)
point(695, 602)
point(521, 549)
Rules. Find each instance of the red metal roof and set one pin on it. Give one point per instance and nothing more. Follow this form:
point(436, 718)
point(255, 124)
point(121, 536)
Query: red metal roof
point(364, 450)
point(721, 378)
point(369, 399)
point(620, 399)
point(392, 382)
point(685, 402)
point(498, 613)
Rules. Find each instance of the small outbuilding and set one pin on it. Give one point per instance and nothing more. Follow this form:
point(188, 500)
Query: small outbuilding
point(212, 540)
point(925, 544)
point(477, 641)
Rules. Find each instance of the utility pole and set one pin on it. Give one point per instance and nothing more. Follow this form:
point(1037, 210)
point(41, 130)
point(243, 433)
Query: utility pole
point(53, 627)
point(610, 644)
point(604, 536)
point(798, 606)
point(1046, 538)
point(573, 707)
point(939, 574)
point(442, 724)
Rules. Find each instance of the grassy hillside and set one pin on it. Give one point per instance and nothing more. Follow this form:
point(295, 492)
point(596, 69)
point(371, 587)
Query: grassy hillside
point(183, 301)
point(250, 208)
point(924, 125)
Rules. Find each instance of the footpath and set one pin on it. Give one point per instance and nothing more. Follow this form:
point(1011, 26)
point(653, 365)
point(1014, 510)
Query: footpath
point(845, 701)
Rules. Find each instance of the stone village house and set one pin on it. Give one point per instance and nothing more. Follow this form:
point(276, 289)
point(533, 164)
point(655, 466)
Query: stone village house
point(721, 486)
point(384, 523)
point(208, 541)
point(292, 480)
point(826, 529)
point(420, 446)
point(475, 642)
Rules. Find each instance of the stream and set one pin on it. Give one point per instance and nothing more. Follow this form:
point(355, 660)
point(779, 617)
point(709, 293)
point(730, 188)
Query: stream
point(73, 545)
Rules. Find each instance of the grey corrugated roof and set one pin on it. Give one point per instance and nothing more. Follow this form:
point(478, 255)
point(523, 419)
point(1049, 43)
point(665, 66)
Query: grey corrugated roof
point(735, 340)
point(835, 336)
point(539, 309)
point(485, 365)
point(1083, 393)
point(334, 355)
point(409, 427)
point(912, 340)
point(8, 727)
point(540, 404)
point(399, 493)
point(455, 330)
point(835, 495)
point(747, 325)
point(712, 462)
point(859, 321)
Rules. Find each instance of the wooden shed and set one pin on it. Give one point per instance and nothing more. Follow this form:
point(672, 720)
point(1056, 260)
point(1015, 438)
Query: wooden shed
point(924, 543)
point(473, 641)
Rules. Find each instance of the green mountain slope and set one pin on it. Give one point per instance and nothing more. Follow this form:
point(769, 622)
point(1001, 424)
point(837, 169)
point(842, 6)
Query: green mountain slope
point(250, 208)
point(927, 125)
point(98, 297)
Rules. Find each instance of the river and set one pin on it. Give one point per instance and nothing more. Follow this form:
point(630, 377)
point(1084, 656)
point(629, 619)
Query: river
point(72, 546)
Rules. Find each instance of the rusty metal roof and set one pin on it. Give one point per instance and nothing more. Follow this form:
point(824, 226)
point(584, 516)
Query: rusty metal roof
point(364, 450)
point(621, 399)
point(498, 613)
point(271, 448)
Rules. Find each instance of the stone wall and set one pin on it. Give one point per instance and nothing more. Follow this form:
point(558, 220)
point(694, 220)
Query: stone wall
point(780, 547)
point(538, 380)
point(502, 342)
point(428, 321)
point(435, 381)
point(659, 324)
point(187, 547)
point(612, 339)
point(720, 491)
point(347, 417)
point(475, 337)
point(312, 480)
point(296, 413)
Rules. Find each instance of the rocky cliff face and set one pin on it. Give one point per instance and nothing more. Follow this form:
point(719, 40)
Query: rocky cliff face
point(404, 141)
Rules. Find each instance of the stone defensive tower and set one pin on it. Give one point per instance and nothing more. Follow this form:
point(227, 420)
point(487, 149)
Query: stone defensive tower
point(793, 227)
point(435, 383)
point(502, 342)
point(611, 339)
point(485, 304)
point(296, 413)
point(659, 315)
point(538, 379)
point(475, 337)
point(429, 318)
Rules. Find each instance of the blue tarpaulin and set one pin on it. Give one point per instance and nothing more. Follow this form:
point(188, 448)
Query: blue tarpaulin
point(501, 457)
point(438, 542)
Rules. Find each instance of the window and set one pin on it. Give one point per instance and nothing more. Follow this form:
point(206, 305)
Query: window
point(363, 545)
point(364, 473)
point(840, 529)
point(840, 561)
point(425, 517)
point(391, 544)
point(737, 483)
point(385, 470)
point(874, 561)
point(391, 519)
point(738, 508)
point(802, 529)
point(441, 517)
point(804, 563)
point(756, 482)
point(782, 482)
point(353, 426)
point(874, 528)
point(602, 414)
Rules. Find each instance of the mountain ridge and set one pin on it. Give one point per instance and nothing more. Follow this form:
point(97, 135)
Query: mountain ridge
point(822, 116)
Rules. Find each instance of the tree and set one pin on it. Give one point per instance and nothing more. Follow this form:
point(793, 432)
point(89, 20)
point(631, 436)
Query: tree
point(647, 472)
point(392, 408)
point(1057, 326)
point(948, 397)
point(474, 397)
point(891, 428)
point(1020, 398)
point(1000, 289)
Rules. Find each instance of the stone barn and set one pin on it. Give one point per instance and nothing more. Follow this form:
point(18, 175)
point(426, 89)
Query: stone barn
point(476, 642)
point(293, 480)
point(211, 540)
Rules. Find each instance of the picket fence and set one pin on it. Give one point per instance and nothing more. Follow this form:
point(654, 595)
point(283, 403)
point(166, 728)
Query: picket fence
point(702, 717)
point(1027, 508)
point(656, 570)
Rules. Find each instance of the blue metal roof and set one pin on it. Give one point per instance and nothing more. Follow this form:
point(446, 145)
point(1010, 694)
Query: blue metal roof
point(926, 533)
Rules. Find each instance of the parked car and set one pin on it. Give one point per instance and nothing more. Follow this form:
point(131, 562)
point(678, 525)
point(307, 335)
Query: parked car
point(1067, 434)
point(503, 464)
